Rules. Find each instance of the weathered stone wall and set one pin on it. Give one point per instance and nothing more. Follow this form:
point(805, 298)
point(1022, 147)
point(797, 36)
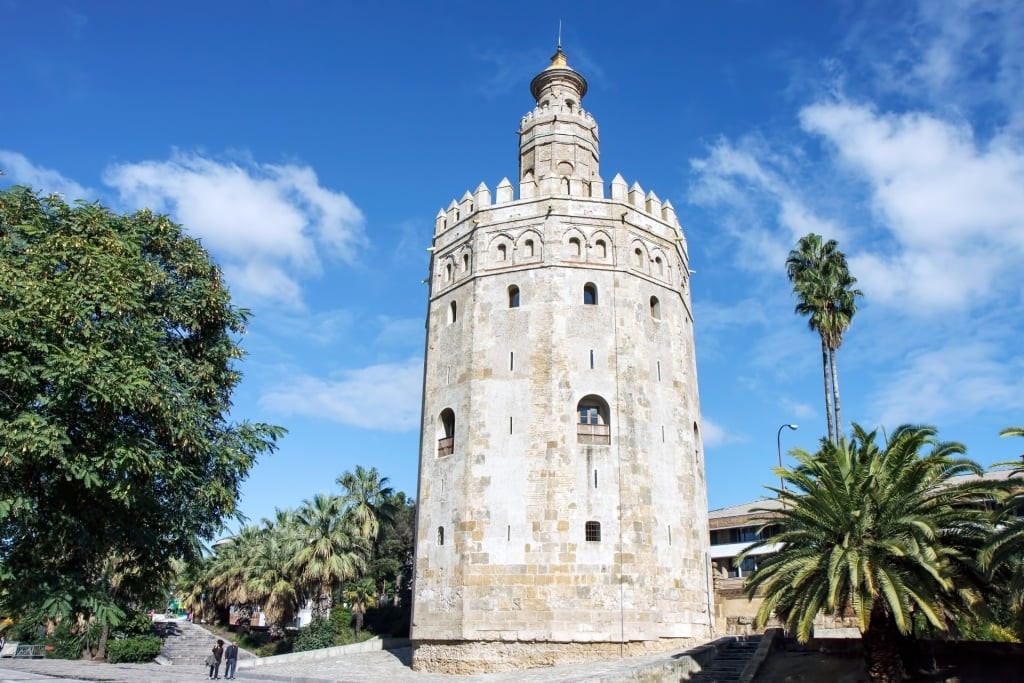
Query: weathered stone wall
point(502, 555)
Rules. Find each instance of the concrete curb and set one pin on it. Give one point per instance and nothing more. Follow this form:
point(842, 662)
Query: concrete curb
point(764, 648)
point(371, 645)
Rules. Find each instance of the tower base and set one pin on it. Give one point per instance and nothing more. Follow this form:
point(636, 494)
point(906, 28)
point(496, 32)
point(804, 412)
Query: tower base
point(475, 656)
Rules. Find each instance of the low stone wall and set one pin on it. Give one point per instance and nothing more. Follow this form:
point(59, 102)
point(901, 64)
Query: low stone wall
point(473, 657)
point(371, 645)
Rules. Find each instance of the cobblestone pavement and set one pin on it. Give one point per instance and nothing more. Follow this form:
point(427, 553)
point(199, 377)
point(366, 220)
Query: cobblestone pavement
point(389, 666)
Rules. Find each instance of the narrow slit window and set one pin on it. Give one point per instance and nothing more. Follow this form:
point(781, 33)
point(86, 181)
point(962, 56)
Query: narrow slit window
point(659, 370)
point(595, 479)
point(511, 361)
point(465, 263)
point(655, 308)
point(510, 424)
point(591, 359)
point(453, 312)
point(593, 532)
point(508, 533)
point(440, 535)
point(513, 296)
point(670, 535)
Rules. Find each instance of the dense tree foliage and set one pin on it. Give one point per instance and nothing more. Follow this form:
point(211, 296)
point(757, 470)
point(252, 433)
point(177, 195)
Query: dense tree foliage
point(824, 288)
point(356, 546)
point(880, 531)
point(118, 358)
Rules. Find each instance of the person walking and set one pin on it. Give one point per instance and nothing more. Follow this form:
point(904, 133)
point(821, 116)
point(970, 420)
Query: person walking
point(214, 659)
point(230, 660)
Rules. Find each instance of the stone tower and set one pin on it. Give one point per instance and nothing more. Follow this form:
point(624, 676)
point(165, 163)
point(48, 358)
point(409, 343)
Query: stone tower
point(562, 501)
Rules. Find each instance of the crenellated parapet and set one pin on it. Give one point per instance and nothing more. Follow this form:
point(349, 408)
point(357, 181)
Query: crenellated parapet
point(475, 208)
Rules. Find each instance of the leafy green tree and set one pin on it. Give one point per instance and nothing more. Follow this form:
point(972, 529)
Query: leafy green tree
point(825, 294)
point(393, 561)
point(881, 532)
point(330, 550)
point(118, 358)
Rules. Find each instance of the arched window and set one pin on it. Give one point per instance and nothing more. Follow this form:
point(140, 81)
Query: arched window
point(448, 272)
point(594, 426)
point(502, 252)
point(465, 263)
point(574, 247)
point(528, 248)
point(696, 443)
point(655, 308)
point(513, 296)
point(453, 312)
point(593, 532)
point(638, 258)
point(659, 265)
point(590, 294)
point(440, 535)
point(602, 249)
point(446, 433)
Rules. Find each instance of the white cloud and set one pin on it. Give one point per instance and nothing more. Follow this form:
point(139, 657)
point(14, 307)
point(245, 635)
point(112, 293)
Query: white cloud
point(715, 435)
point(21, 171)
point(953, 207)
point(952, 382)
point(269, 224)
point(384, 396)
point(796, 408)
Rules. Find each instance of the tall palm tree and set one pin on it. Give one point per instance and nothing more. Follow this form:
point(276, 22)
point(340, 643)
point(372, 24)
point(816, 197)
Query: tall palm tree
point(271, 581)
point(825, 294)
point(331, 551)
point(368, 498)
point(882, 532)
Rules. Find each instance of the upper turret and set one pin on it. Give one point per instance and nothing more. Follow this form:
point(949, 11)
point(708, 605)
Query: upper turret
point(558, 139)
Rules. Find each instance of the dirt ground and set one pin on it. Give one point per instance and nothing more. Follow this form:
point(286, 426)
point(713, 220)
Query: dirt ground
point(815, 667)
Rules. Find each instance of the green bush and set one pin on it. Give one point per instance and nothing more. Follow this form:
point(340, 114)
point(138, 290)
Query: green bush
point(134, 624)
point(64, 642)
point(319, 634)
point(133, 649)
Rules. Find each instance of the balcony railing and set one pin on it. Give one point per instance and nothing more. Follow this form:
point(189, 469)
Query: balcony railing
point(593, 434)
point(446, 446)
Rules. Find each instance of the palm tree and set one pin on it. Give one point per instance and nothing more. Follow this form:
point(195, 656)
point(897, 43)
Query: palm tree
point(1005, 550)
point(271, 581)
point(361, 595)
point(884, 533)
point(331, 551)
point(824, 288)
point(368, 498)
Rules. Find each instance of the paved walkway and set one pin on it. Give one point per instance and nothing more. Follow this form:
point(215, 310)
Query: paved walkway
point(390, 666)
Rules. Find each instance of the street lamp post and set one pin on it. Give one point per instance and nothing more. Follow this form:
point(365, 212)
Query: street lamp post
point(778, 446)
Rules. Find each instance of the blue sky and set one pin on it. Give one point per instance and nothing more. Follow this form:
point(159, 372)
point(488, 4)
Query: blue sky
point(310, 145)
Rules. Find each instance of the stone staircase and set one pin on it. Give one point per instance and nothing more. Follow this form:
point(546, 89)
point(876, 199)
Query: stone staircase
point(185, 642)
point(730, 662)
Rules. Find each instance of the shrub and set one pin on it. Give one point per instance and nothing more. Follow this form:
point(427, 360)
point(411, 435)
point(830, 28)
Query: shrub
point(133, 649)
point(64, 642)
point(319, 634)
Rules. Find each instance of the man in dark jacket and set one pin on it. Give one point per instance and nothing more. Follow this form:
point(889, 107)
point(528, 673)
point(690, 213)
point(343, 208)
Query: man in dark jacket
point(230, 660)
point(214, 659)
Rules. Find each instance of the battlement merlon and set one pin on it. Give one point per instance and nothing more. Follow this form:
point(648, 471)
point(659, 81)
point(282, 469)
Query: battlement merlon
point(627, 205)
